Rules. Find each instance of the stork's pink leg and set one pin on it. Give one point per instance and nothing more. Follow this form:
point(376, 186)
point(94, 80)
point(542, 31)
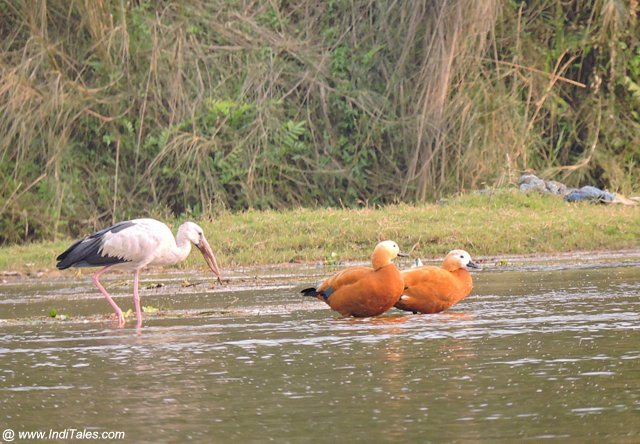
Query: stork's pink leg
point(97, 283)
point(136, 298)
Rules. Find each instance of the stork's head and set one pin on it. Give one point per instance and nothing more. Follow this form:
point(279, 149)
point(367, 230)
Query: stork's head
point(457, 259)
point(194, 233)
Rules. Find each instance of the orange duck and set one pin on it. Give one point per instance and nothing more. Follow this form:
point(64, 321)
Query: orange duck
point(431, 289)
point(364, 291)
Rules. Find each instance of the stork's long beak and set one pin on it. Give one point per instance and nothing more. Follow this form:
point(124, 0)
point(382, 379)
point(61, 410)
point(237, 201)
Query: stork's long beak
point(205, 249)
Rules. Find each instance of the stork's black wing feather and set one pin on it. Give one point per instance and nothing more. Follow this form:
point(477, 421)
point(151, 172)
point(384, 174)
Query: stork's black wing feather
point(86, 252)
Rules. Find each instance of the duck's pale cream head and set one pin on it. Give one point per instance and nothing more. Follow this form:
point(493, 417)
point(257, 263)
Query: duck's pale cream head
point(384, 253)
point(456, 259)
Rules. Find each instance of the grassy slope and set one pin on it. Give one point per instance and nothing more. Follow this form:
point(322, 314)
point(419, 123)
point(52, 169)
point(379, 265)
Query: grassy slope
point(502, 223)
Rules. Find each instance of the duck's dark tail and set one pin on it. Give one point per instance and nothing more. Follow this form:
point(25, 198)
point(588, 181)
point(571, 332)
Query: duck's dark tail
point(311, 291)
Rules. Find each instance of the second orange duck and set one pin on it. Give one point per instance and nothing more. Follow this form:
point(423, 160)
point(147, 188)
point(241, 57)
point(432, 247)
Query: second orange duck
point(364, 291)
point(431, 289)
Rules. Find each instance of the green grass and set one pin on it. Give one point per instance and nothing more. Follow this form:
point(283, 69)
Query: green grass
point(506, 222)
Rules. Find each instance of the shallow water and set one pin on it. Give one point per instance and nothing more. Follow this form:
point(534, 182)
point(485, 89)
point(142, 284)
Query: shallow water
point(546, 352)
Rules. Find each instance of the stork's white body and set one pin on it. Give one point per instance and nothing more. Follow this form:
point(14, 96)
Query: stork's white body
point(147, 242)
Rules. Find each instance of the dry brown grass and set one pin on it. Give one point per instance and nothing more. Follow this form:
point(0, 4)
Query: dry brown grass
point(115, 109)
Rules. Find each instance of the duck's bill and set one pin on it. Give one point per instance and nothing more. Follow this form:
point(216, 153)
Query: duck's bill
point(401, 254)
point(209, 257)
point(472, 264)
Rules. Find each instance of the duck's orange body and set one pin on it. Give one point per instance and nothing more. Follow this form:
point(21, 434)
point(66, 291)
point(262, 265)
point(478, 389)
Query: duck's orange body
point(431, 289)
point(364, 291)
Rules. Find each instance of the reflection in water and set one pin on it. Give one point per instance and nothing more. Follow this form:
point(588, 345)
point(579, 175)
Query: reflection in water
point(528, 355)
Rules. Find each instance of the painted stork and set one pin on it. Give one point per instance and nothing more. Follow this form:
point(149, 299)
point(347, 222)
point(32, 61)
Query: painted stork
point(131, 246)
